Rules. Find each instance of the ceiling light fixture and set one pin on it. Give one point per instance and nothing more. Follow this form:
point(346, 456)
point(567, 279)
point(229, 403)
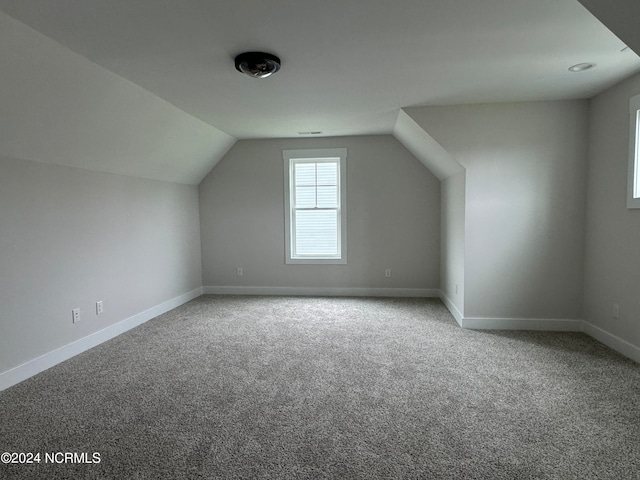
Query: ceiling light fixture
point(581, 67)
point(257, 64)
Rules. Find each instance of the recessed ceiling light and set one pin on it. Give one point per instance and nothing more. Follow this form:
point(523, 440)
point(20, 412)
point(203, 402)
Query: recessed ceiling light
point(581, 67)
point(257, 64)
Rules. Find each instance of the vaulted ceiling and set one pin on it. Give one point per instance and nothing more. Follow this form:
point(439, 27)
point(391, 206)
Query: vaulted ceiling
point(348, 66)
point(620, 16)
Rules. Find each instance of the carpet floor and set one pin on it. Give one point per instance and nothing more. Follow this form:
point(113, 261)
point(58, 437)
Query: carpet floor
point(362, 388)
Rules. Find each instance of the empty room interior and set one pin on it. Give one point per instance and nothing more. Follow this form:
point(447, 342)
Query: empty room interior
point(406, 248)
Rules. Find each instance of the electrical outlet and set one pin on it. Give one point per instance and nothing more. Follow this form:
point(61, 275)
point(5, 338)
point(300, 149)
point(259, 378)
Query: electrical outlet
point(99, 308)
point(239, 271)
point(615, 311)
point(387, 273)
point(75, 315)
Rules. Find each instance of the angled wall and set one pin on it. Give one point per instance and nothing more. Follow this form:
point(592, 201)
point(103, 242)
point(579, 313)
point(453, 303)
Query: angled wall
point(60, 108)
point(452, 242)
point(524, 208)
point(393, 221)
point(424, 147)
point(71, 234)
point(452, 197)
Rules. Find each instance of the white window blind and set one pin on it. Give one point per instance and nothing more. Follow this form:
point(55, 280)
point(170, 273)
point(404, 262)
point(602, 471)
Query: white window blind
point(636, 157)
point(316, 208)
point(633, 189)
point(315, 198)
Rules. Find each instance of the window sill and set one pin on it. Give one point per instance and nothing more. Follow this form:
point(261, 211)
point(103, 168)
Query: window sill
point(316, 261)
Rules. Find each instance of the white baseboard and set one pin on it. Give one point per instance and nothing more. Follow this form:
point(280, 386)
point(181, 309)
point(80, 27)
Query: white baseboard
point(22, 372)
point(48, 360)
point(478, 323)
point(618, 344)
point(546, 324)
point(457, 314)
point(324, 291)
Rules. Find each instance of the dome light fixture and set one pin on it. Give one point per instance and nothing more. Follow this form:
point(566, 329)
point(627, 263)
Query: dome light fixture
point(257, 64)
point(581, 67)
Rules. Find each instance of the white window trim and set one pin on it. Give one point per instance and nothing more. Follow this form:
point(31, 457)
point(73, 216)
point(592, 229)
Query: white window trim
point(633, 186)
point(289, 155)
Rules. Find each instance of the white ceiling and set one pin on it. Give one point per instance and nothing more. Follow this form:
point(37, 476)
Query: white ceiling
point(348, 65)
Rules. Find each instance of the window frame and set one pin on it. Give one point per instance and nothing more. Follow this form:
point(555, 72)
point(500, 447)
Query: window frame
point(633, 186)
point(310, 155)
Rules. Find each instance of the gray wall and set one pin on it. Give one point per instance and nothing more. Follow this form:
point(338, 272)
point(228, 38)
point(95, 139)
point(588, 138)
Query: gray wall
point(70, 237)
point(525, 192)
point(612, 265)
point(452, 239)
point(393, 218)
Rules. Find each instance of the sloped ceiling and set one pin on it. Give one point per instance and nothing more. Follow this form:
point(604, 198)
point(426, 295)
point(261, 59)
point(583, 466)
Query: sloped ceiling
point(621, 16)
point(148, 88)
point(424, 147)
point(347, 66)
point(58, 107)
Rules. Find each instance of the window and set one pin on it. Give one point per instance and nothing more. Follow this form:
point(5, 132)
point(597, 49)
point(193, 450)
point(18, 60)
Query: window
point(633, 190)
point(315, 206)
